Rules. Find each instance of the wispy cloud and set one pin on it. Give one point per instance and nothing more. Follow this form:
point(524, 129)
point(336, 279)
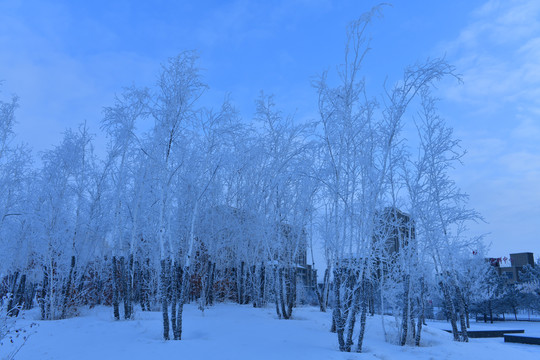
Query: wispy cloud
point(498, 55)
point(60, 78)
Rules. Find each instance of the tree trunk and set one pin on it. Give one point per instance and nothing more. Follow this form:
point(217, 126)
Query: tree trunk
point(419, 329)
point(463, 322)
point(128, 275)
point(241, 282)
point(174, 300)
point(358, 293)
point(412, 325)
point(468, 315)
point(124, 286)
point(363, 316)
point(67, 289)
point(276, 291)
point(29, 296)
point(421, 313)
point(282, 294)
point(351, 319)
point(322, 293)
point(145, 285)
point(11, 301)
point(261, 299)
point(43, 294)
point(115, 285)
point(210, 297)
point(406, 308)
point(19, 296)
point(450, 308)
point(165, 281)
point(337, 314)
point(291, 291)
point(182, 277)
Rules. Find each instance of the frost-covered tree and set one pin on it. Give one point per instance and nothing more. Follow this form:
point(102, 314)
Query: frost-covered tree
point(62, 216)
point(16, 268)
point(288, 193)
point(442, 214)
point(361, 144)
point(172, 107)
point(120, 123)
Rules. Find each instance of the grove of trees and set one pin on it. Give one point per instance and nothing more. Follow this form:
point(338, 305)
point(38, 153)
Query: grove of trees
point(206, 206)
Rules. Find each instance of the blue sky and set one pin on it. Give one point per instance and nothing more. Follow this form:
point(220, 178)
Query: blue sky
point(66, 59)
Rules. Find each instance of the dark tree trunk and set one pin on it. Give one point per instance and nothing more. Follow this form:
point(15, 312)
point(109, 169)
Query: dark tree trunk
point(43, 294)
point(11, 301)
point(175, 290)
point(261, 299)
point(406, 308)
point(322, 292)
point(281, 294)
point(241, 283)
point(263, 284)
point(179, 319)
point(19, 296)
point(123, 284)
point(115, 289)
point(128, 287)
point(30, 294)
point(350, 286)
point(363, 316)
point(205, 292)
point(210, 297)
point(145, 286)
point(421, 313)
point(66, 294)
point(419, 329)
point(355, 304)
point(287, 291)
point(338, 311)
point(182, 277)
point(371, 303)
point(249, 290)
point(277, 285)
point(165, 283)
point(412, 325)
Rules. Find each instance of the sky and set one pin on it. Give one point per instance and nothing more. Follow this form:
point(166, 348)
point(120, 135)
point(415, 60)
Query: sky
point(67, 59)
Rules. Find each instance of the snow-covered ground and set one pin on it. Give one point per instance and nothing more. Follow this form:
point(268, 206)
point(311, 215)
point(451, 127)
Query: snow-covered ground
point(228, 331)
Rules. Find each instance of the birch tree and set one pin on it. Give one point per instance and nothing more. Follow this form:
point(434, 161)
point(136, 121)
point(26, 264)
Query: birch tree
point(361, 142)
point(179, 87)
point(120, 122)
point(442, 212)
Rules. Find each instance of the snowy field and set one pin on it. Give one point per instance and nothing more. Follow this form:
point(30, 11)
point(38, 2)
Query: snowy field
point(229, 331)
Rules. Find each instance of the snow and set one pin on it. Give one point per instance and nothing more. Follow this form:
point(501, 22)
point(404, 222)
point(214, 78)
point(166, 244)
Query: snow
point(230, 331)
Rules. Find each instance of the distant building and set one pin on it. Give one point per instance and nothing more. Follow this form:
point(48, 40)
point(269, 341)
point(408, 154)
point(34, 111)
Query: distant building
point(517, 262)
point(306, 275)
point(397, 228)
